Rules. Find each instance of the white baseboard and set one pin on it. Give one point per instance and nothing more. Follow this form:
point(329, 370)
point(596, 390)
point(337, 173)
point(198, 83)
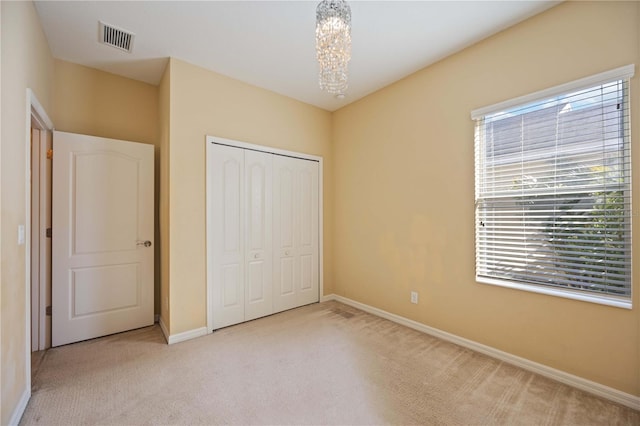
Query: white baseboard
point(164, 329)
point(327, 298)
point(187, 335)
point(598, 389)
point(22, 405)
point(181, 337)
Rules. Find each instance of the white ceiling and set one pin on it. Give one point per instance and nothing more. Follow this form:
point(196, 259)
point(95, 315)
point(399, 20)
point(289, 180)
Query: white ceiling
point(271, 44)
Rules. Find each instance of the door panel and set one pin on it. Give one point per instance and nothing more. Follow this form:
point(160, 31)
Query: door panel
point(295, 199)
point(306, 272)
point(231, 202)
point(286, 278)
point(306, 205)
point(284, 229)
point(104, 289)
point(109, 174)
point(231, 286)
point(255, 274)
point(284, 208)
point(102, 208)
point(258, 214)
point(308, 255)
point(227, 244)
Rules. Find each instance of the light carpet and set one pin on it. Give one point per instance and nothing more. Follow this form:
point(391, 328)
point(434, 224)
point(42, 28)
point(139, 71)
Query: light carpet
point(325, 363)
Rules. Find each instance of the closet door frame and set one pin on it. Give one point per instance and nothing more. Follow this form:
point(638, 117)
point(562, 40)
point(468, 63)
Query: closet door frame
point(210, 141)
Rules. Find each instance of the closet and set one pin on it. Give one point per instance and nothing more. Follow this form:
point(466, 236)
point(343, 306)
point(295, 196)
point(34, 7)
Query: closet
point(262, 233)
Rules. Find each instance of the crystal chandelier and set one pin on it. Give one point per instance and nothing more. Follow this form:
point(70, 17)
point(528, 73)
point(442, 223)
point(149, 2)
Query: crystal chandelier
point(333, 45)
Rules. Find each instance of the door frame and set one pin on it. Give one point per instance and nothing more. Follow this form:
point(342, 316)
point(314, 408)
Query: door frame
point(209, 231)
point(35, 115)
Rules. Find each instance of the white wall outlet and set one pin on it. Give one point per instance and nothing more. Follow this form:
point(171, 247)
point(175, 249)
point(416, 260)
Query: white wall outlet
point(414, 297)
point(21, 235)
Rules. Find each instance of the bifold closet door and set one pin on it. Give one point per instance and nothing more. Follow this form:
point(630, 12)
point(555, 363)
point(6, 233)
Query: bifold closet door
point(259, 246)
point(295, 232)
point(242, 248)
point(227, 165)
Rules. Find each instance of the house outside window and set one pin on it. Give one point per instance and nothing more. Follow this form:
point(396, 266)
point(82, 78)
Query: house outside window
point(553, 191)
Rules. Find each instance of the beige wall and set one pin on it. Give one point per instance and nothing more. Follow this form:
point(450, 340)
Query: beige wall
point(205, 103)
point(26, 63)
point(97, 103)
point(404, 195)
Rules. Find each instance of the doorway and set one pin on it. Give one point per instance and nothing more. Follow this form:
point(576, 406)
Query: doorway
point(38, 219)
point(40, 237)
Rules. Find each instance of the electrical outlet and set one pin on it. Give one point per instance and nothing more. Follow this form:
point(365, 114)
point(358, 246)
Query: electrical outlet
point(414, 297)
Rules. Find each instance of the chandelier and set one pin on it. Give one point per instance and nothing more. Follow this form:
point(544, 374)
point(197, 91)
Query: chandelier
point(333, 45)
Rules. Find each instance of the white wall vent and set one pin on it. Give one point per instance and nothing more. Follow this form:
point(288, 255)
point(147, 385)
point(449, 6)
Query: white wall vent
point(115, 37)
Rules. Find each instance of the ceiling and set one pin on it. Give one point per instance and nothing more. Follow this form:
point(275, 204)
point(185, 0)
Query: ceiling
point(271, 44)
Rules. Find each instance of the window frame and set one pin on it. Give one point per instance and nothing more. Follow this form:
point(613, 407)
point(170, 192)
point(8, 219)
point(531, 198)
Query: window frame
point(621, 73)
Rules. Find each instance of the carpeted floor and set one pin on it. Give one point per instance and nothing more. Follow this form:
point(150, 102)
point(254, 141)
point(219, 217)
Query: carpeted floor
point(320, 364)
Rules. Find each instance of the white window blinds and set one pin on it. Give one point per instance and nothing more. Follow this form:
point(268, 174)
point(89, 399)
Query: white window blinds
point(553, 188)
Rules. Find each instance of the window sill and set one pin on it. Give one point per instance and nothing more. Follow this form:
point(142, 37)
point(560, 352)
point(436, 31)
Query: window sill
point(558, 292)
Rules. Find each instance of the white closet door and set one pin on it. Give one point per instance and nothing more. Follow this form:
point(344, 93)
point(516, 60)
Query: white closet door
point(227, 182)
point(259, 248)
point(295, 233)
point(284, 276)
point(307, 177)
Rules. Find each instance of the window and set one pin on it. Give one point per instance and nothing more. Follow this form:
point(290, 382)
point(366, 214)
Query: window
point(553, 191)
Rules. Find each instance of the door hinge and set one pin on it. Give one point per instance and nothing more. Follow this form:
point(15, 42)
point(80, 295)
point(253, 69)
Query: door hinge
point(48, 232)
point(49, 154)
point(48, 311)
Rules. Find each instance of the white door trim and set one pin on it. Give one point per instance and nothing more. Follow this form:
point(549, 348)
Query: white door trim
point(35, 240)
point(33, 110)
point(209, 233)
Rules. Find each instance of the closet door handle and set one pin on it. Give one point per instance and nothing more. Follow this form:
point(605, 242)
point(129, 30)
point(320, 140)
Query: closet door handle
point(256, 256)
point(286, 253)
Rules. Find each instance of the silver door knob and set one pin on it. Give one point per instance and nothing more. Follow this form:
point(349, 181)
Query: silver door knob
point(286, 253)
point(144, 243)
point(255, 256)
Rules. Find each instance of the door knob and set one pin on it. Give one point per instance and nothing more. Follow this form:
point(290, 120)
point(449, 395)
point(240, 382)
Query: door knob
point(255, 256)
point(144, 243)
point(286, 253)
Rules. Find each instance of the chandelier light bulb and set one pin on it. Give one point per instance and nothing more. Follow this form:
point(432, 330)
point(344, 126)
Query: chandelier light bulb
point(333, 45)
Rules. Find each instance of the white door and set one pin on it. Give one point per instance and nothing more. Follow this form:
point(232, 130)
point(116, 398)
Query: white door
point(226, 234)
point(102, 234)
point(295, 232)
point(259, 247)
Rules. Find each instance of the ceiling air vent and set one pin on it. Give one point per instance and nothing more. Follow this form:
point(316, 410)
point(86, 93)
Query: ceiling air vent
point(116, 37)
